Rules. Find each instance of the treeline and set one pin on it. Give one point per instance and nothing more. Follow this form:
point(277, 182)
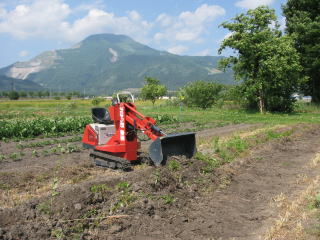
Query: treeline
point(14, 95)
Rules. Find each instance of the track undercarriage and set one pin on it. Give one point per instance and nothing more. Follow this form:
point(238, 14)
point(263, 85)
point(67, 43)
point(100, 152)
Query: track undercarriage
point(109, 161)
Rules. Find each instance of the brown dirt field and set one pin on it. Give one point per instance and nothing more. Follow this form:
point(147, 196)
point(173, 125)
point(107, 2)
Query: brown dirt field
point(65, 197)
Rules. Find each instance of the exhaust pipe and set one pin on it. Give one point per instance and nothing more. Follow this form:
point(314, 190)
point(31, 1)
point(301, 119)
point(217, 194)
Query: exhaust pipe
point(172, 145)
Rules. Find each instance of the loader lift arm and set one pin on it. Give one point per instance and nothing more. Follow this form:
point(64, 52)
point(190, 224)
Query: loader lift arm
point(145, 124)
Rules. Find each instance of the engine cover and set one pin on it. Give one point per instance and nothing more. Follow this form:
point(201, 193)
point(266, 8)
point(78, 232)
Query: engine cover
point(104, 132)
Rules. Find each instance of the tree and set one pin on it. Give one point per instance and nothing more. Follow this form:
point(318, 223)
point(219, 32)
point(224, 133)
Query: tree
point(13, 95)
point(40, 94)
point(23, 94)
point(200, 94)
point(303, 24)
point(266, 63)
point(31, 94)
point(153, 90)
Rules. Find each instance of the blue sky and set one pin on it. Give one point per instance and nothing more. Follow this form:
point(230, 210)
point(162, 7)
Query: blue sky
point(185, 27)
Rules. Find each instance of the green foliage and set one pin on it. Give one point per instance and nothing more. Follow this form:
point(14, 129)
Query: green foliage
point(317, 201)
point(23, 94)
point(21, 128)
point(303, 24)
point(13, 95)
point(57, 233)
point(168, 198)
point(99, 188)
point(201, 94)
point(123, 186)
point(165, 118)
point(267, 65)
point(97, 101)
point(153, 90)
point(44, 207)
point(211, 163)
point(174, 165)
point(69, 96)
point(90, 213)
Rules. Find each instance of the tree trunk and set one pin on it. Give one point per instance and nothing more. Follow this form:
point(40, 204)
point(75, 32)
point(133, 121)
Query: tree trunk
point(315, 88)
point(262, 106)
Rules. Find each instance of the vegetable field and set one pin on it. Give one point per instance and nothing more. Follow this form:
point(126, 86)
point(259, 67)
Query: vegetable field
point(254, 176)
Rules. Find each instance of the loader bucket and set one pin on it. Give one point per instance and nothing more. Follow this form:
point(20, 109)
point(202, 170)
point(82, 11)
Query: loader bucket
point(172, 144)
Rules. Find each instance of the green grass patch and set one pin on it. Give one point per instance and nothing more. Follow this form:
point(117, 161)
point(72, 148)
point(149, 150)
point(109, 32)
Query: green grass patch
point(227, 151)
point(174, 165)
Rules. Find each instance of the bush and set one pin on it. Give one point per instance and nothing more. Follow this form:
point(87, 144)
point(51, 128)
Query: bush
point(201, 94)
point(97, 101)
point(13, 95)
point(69, 96)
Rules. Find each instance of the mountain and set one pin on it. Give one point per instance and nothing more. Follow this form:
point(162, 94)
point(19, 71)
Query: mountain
point(104, 63)
point(8, 83)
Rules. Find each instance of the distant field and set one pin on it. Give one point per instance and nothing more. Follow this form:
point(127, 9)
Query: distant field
point(305, 112)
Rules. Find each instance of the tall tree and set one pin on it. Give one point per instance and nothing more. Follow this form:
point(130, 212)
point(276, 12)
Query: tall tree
point(153, 90)
point(303, 24)
point(266, 63)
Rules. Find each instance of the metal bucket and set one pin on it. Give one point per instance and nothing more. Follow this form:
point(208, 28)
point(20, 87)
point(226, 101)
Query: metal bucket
point(172, 144)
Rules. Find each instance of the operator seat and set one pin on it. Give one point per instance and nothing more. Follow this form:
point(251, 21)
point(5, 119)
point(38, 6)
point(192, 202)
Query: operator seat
point(101, 115)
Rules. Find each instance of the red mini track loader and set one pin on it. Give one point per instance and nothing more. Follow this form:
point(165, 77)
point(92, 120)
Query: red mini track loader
point(113, 136)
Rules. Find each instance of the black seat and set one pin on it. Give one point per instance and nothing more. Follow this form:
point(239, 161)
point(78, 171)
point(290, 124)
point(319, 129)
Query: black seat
point(101, 115)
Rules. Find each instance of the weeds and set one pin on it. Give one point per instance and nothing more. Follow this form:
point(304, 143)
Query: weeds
point(90, 213)
point(57, 233)
point(44, 207)
point(315, 202)
point(174, 165)
point(168, 198)
point(126, 197)
point(99, 188)
point(211, 163)
point(225, 152)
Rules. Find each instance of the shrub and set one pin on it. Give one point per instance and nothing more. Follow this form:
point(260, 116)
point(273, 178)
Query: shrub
point(201, 94)
point(97, 101)
point(13, 95)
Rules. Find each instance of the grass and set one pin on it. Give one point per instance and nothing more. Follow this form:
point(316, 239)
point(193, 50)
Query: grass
point(174, 165)
point(168, 198)
point(221, 152)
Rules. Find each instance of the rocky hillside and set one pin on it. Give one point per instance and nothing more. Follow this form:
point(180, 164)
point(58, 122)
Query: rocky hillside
point(104, 63)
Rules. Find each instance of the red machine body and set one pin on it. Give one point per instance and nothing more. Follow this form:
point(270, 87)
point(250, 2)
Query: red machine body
point(124, 142)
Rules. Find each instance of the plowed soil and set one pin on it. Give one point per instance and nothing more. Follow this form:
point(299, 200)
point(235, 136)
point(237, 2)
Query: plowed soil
point(63, 196)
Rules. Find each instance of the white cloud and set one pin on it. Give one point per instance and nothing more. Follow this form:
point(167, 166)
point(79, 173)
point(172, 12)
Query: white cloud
point(23, 53)
point(3, 12)
point(187, 26)
point(49, 19)
point(250, 4)
point(179, 49)
point(134, 15)
point(40, 18)
point(205, 52)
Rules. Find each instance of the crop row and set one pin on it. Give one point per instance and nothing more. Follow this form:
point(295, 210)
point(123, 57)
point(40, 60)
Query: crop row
point(23, 128)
